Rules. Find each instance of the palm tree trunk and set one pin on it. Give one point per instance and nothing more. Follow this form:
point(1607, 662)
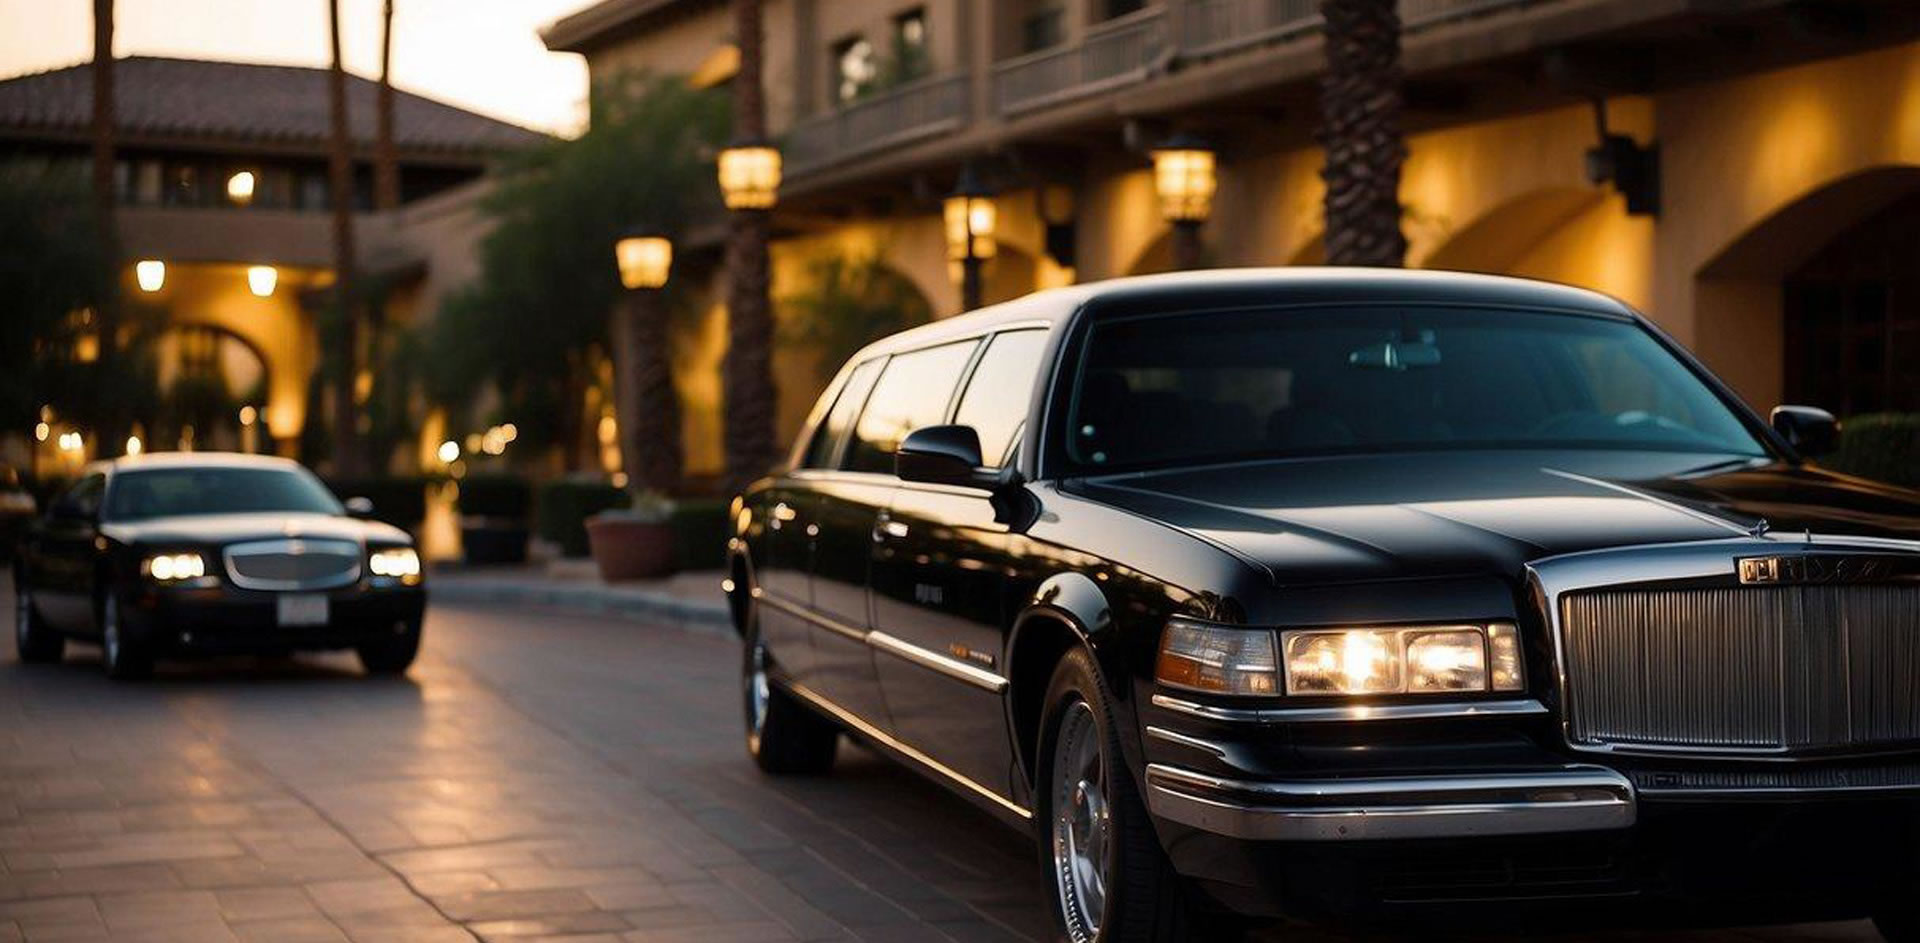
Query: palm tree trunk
point(1360, 107)
point(112, 425)
point(386, 166)
point(751, 399)
point(646, 405)
point(346, 430)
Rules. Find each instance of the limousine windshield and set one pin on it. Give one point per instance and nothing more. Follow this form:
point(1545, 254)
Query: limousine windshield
point(1182, 389)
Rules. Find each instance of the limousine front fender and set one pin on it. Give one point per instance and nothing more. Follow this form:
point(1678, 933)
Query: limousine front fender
point(1065, 610)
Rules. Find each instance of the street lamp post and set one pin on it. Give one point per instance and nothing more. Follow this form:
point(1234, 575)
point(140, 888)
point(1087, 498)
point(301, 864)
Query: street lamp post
point(970, 219)
point(750, 186)
point(646, 407)
point(1184, 178)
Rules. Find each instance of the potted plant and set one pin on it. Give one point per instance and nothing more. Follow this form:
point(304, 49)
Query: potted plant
point(634, 543)
point(494, 518)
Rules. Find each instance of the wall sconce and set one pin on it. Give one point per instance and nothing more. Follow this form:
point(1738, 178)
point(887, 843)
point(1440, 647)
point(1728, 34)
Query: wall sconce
point(1633, 170)
point(750, 176)
point(1056, 208)
point(151, 274)
point(240, 188)
point(261, 280)
point(1185, 178)
point(970, 220)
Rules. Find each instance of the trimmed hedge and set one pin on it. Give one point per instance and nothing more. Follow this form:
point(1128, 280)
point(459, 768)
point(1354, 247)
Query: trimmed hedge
point(561, 509)
point(1881, 446)
point(509, 497)
point(397, 500)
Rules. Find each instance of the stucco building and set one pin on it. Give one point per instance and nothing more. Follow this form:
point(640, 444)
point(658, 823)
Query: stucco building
point(1785, 133)
point(224, 215)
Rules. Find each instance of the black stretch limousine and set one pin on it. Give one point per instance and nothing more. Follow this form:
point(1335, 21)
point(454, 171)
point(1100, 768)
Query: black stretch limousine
point(1337, 593)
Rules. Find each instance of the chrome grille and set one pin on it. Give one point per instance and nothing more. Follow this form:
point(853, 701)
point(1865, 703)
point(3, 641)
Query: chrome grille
point(293, 564)
point(1778, 669)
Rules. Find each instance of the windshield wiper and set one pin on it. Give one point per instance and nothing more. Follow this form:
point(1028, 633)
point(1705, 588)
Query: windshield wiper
point(1728, 463)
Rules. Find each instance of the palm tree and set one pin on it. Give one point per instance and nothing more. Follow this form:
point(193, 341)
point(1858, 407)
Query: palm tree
point(750, 396)
point(346, 430)
point(1360, 106)
point(386, 167)
point(112, 431)
point(646, 402)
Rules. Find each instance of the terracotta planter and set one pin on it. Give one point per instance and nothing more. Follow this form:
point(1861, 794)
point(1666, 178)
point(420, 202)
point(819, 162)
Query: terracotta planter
point(628, 549)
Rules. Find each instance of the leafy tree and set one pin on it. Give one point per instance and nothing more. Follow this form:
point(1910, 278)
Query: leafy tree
point(529, 324)
point(850, 301)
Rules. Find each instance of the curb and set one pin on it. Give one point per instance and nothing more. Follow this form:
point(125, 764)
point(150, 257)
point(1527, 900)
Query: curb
point(634, 605)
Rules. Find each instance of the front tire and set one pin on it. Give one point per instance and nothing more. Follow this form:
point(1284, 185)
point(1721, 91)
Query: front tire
point(784, 736)
point(391, 656)
point(33, 639)
point(1111, 881)
point(124, 656)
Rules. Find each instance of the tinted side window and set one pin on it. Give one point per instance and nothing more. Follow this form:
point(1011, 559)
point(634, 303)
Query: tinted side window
point(83, 499)
point(1001, 391)
point(913, 392)
point(833, 429)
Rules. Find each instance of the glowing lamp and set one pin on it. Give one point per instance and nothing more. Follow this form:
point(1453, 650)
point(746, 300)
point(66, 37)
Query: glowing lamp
point(750, 177)
point(151, 274)
point(240, 188)
point(261, 280)
point(1184, 178)
point(970, 217)
point(644, 260)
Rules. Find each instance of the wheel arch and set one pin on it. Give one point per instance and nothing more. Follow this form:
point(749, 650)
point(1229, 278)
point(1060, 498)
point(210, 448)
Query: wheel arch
point(1068, 610)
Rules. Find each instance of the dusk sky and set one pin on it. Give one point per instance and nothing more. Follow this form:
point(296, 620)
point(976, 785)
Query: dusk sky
point(484, 55)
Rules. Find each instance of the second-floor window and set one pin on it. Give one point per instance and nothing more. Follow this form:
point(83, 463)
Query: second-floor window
point(854, 69)
point(1118, 8)
point(1043, 29)
point(908, 59)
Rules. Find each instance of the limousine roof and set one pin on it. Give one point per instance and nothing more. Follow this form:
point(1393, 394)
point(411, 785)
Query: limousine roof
point(191, 460)
point(1255, 286)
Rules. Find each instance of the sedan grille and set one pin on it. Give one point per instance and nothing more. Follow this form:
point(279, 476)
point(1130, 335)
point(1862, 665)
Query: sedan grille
point(293, 564)
point(1783, 669)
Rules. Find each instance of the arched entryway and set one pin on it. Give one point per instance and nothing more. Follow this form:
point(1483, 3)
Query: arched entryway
point(213, 386)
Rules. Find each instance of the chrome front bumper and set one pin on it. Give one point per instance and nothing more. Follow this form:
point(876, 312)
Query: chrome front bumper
point(1567, 799)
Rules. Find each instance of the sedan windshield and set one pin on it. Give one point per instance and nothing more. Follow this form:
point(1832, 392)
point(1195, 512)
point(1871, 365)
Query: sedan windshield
point(174, 492)
point(1176, 389)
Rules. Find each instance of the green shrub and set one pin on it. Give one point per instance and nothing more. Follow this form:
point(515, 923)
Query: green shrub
point(397, 500)
point(561, 509)
point(700, 534)
point(508, 497)
point(1881, 446)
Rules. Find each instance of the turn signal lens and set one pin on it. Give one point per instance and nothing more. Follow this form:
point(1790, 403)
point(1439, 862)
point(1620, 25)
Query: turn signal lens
point(400, 563)
point(174, 567)
point(1218, 659)
point(1414, 660)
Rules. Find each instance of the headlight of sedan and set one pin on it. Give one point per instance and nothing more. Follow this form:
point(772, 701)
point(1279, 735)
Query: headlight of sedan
point(174, 567)
point(396, 563)
point(1449, 659)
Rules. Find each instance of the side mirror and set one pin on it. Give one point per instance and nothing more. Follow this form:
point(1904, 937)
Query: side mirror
point(359, 507)
point(944, 455)
point(1810, 430)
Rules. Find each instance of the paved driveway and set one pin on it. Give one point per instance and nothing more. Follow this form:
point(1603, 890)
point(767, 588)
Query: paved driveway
point(539, 775)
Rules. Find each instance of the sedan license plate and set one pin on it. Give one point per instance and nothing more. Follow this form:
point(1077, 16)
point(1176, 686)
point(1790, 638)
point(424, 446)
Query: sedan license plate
point(301, 609)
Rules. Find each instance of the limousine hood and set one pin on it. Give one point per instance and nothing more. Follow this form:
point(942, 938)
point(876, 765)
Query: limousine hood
point(228, 528)
point(1489, 513)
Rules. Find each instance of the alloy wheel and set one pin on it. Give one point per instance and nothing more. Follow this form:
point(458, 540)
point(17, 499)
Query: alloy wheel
point(1082, 823)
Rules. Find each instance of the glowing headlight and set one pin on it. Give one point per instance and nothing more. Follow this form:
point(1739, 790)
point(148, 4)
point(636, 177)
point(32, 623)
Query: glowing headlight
point(1221, 659)
point(399, 563)
point(1416, 660)
point(174, 567)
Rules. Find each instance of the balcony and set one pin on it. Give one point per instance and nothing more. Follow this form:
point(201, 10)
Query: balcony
point(1114, 53)
point(1213, 27)
point(919, 109)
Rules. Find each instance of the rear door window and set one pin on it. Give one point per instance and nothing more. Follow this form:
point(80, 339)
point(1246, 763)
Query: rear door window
point(825, 446)
point(913, 392)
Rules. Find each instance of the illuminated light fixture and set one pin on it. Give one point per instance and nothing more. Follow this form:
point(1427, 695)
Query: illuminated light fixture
point(645, 260)
point(1184, 178)
point(249, 415)
point(41, 431)
point(134, 445)
point(750, 176)
point(449, 452)
point(240, 188)
point(151, 274)
point(261, 280)
point(970, 217)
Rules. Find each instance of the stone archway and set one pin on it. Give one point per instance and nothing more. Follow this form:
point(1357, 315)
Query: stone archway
point(1741, 295)
point(207, 374)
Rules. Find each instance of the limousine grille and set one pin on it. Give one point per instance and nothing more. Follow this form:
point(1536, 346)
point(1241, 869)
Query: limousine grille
point(293, 564)
point(1780, 669)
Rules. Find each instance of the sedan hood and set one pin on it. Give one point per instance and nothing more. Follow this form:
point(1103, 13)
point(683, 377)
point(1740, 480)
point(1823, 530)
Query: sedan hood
point(1490, 512)
point(229, 528)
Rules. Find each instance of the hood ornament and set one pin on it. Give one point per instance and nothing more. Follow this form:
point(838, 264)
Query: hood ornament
point(1759, 528)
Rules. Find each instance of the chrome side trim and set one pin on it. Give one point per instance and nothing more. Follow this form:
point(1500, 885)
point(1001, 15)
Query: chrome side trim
point(884, 739)
point(934, 661)
point(799, 612)
point(1181, 739)
point(1571, 799)
point(1358, 712)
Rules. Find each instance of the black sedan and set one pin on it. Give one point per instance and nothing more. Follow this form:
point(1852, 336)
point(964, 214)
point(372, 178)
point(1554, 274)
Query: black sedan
point(177, 555)
point(1337, 592)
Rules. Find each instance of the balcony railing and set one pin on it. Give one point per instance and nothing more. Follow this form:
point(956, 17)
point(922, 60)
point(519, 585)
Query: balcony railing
point(1213, 27)
point(1420, 14)
point(919, 109)
point(1117, 52)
